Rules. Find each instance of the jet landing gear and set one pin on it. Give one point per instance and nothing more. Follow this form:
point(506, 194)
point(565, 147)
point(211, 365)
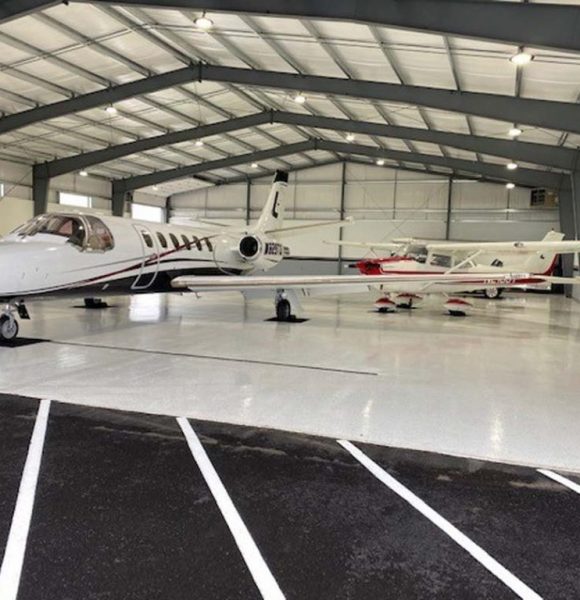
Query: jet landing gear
point(286, 302)
point(8, 324)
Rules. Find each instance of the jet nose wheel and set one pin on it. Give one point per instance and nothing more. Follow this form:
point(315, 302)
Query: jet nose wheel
point(8, 328)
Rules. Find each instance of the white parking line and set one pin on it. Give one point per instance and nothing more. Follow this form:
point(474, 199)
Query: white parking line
point(561, 479)
point(264, 579)
point(16, 546)
point(515, 584)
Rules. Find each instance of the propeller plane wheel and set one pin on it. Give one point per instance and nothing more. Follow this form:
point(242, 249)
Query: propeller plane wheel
point(8, 328)
point(458, 307)
point(283, 310)
point(492, 293)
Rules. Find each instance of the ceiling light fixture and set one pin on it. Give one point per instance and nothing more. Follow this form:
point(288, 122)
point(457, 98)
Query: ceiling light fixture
point(83, 173)
point(350, 137)
point(510, 186)
point(512, 166)
point(111, 110)
point(299, 98)
point(521, 58)
point(254, 165)
point(514, 132)
point(199, 143)
point(380, 162)
point(204, 23)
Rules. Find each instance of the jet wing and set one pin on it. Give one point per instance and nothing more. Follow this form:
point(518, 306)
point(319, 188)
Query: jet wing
point(372, 245)
point(563, 247)
point(342, 282)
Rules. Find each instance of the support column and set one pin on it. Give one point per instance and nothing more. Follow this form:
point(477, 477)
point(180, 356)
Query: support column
point(342, 211)
point(167, 209)
point(248, 201)
point(568, 206)
point(449, 208)
point(118, 199)
point(40, 186)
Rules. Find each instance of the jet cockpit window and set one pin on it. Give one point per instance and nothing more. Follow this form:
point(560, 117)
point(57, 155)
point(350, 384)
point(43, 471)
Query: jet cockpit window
point(418, 252)
point(441, 260)
point(99, 238)
point(84, 232)
point(67, 226)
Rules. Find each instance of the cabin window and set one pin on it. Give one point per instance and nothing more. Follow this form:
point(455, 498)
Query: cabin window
point(209, 244)
point(197, 242)
point(147, 239)
point(174, 240)
point(441, 260)
point(99, 238)
point(186, 242)
point(162, 240)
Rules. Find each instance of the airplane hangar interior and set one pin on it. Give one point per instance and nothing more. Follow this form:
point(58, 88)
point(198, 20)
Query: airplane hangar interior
point(289, 299)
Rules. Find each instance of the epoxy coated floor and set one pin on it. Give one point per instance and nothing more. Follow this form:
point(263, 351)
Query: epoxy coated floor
point(503, 384)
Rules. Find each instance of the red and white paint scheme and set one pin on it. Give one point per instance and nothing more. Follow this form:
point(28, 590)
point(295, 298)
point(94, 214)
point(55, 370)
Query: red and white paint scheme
point(534, 260)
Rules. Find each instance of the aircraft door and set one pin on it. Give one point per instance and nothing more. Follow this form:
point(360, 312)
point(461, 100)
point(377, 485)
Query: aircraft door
point(150, 251)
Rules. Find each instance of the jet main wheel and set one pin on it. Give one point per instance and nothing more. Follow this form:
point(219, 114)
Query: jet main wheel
point(283, 310)
point(8, 328)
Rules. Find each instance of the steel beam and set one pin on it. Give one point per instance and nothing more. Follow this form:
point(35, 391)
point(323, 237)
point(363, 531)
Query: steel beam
point(524, 177)
point(322, 163)
point(541, 154)
point(87, 159)
point(539, 24)
point(564, 116)
point(140, 181)
point(13, 9)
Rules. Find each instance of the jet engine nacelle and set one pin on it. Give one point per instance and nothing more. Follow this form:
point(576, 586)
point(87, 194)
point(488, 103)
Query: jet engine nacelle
point(250, 248)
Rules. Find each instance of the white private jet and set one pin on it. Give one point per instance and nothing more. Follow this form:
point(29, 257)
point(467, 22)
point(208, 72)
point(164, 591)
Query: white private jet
point(411, 257)
point(84, 255)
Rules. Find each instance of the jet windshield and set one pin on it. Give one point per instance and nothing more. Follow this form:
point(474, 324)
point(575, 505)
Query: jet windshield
point(84, 232)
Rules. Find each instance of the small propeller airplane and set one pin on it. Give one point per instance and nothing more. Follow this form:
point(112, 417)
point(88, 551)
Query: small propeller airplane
point(411, 257)
point(84, 255)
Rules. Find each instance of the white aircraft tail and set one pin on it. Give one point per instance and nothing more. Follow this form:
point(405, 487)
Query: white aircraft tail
point(543, 262)
point(272, 217)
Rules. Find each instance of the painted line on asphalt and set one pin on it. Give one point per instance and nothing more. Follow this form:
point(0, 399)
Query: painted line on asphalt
point(262, 575)
point(508, 578)
point(561, 479)
point(11, 569)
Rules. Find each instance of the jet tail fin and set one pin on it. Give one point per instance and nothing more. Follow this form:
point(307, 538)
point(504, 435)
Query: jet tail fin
point(272, 217)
